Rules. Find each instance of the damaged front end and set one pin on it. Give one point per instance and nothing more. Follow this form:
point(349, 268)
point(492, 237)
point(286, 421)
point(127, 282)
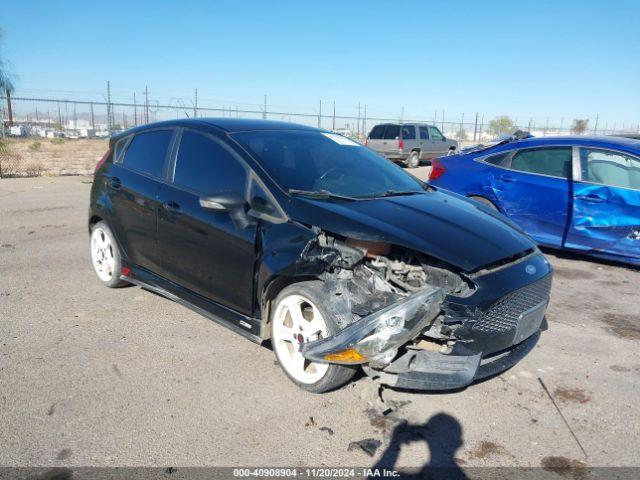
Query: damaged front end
point(414, 322)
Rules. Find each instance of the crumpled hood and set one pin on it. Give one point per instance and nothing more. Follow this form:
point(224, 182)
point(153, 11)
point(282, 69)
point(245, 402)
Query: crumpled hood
point(446, 226)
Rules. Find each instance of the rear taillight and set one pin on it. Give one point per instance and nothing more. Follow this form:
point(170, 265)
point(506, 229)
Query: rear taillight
point(102, 160)
point(437, 169)
point(400, 145)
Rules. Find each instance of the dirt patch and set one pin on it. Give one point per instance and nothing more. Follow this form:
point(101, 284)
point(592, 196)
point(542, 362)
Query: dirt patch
point(623, 325)
point(571, 395)
point(567, 273)
point(565, 467)
point(486, 449)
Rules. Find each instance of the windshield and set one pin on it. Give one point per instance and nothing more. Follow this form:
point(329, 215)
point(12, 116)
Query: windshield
point(312, 161)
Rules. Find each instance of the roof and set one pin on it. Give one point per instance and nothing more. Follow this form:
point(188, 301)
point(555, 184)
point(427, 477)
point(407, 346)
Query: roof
point(619, 143)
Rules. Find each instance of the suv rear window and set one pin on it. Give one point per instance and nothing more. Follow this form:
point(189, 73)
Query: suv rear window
point(408, 132)
point(392, 132)
point(376, 132)
point(147, 151)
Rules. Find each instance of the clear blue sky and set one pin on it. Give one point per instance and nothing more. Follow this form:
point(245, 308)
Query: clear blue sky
point(526, 59)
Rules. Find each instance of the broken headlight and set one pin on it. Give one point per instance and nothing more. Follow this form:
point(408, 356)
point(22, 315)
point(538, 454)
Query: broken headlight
point(378, 335)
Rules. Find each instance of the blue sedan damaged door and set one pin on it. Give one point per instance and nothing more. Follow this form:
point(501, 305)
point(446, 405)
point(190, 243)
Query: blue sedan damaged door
point(606, 204)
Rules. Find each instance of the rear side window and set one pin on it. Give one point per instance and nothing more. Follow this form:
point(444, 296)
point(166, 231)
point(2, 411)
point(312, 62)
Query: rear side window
point(424, 133)
point(119, 148)
point(147, 152)
point(610, 168)
point(392, 132)
point(408, 132)
point(553, 161)
point(499, 159)
point(435, 133)
point(376, 132)
point(206, 166)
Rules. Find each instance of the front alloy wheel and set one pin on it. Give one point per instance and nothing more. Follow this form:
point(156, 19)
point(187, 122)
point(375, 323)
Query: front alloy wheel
point(298, 318)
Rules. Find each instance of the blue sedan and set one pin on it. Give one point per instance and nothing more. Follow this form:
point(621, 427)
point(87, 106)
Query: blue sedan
point(575, 193)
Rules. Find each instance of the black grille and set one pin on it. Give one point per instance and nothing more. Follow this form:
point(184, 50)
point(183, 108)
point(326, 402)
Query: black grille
point(503, 315)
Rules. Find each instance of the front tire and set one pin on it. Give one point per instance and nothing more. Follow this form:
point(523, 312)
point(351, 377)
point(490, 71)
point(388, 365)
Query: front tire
point(299, 316)
point(105, 256)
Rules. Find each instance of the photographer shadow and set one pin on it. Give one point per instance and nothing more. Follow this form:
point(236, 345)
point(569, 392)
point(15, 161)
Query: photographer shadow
point(443, 435)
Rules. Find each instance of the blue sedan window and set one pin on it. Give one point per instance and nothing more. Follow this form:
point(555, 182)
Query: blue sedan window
point(610, 168)
point(552, 161)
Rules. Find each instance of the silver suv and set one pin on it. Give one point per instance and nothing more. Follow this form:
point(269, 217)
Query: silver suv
point(409, 143)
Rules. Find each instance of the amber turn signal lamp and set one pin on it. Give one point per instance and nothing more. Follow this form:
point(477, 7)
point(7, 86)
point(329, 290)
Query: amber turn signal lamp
point(351, 355)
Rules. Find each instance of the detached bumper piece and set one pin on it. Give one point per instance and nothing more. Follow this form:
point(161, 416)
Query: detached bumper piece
point(428, 370)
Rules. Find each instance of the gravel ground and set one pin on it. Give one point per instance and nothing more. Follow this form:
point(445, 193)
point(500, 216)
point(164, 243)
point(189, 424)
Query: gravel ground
point(100, 377)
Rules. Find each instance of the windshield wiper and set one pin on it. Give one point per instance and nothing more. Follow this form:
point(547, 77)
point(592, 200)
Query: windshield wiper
point(398, 193)
point(320, 194)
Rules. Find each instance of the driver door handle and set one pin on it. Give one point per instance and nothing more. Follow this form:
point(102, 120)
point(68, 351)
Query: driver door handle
point(591, 198)
point(115, 183)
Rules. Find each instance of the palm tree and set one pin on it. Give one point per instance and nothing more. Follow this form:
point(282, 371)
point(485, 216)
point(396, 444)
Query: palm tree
point(6, 84)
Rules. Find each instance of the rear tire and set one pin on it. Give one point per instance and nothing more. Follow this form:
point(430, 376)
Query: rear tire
point(105, 256)
point(414, 160)
point(298, 315)
point(486, 201)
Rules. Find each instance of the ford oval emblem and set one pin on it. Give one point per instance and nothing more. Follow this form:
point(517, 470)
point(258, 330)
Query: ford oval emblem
point(530, 269)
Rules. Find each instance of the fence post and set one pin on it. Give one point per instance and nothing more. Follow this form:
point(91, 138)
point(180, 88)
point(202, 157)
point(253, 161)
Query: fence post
point(475, 128)
point(334, 116)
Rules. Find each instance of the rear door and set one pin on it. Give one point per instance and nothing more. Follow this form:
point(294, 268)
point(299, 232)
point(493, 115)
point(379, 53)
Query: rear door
point(606, 203)
point(134, 181)
point(203, 250)
point(534, 191)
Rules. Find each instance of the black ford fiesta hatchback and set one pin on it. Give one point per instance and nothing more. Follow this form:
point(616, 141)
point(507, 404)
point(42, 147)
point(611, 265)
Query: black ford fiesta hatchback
point(306, 238)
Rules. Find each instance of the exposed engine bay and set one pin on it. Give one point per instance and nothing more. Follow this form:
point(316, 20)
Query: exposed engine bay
point(415, 321)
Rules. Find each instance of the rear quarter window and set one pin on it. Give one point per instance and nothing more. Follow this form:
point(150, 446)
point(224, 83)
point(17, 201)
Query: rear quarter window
point(408, 132)
point(147, 152)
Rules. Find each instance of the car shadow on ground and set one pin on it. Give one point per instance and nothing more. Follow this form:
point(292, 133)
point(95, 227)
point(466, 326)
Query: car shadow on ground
point(442, 434)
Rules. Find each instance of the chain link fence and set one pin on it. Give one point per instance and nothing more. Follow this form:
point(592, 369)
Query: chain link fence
point(84, 118)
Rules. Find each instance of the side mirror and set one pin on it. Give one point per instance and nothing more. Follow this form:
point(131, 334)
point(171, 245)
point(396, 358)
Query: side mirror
point(223, 202)
point(230, 202)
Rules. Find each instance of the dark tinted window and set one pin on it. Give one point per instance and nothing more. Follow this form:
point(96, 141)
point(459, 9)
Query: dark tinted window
point(376, 132)
point(610, 168)
point(435, 133)
point(392, 132)
point(117, 153)
point(206, 166)
point(553, 161)
point(408, 132)
point(424, 133)
point(498, 159)
point(147, 151)
point(323, 161)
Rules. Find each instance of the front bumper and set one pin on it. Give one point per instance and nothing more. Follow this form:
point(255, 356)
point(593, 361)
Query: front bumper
point(428, 370)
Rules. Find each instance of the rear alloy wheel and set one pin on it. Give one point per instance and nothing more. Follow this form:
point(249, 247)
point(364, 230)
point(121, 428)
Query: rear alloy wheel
point(414, 160)
point(297, 318)
point(105, 256)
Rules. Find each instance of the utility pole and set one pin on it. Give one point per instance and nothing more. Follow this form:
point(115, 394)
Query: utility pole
point(334, 116)
point(358, 121)
point(442, 126)
point(264, 111)
point(146, 104)
point(195, 105)
point(109, 112)
point(9, 109)
point(475, 128)
point(93, 120)
point(320, 115)
point(135, 110)
point(124, 120)
point(364, 123)
point(59, 117)
point(595, 127)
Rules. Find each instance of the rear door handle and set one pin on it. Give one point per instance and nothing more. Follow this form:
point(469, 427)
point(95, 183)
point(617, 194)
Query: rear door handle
point(505, 178)
point(592, 198)
point(115, 183)
point(172, 207)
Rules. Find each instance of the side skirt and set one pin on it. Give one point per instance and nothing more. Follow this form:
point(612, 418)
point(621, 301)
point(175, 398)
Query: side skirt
point(248, 327)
